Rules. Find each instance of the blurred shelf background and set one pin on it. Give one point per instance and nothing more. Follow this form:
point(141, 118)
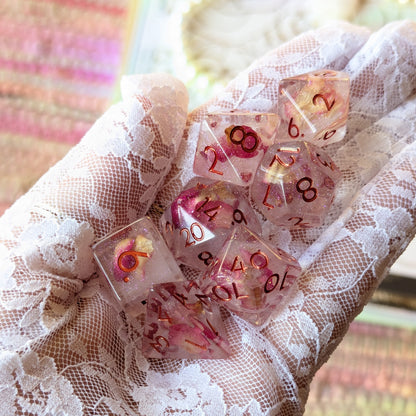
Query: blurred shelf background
point(60, 62)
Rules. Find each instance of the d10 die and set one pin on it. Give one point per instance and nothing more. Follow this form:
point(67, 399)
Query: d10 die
point(295, 184)
point(199, 220)
point(231, 145)
point(314, 107)
point(132, 259)
point(182, 322)
point(249, 277)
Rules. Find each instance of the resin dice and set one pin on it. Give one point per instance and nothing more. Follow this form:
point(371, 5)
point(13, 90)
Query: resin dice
point(231, 145)
point(182, 322)
point(295, 184)
point(132, 259)
point(198, 221)
point(249, 277)
point(313, 107)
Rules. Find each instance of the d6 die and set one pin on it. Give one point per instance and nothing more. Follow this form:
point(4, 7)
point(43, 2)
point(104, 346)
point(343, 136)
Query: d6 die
point(231, 145)
point(314, 107)
point(295, 184)
point(132, 259)
point(182, 322)
point(249, 277)
point(198, 221)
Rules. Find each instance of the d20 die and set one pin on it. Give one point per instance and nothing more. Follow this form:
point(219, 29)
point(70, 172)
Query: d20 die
point(313, 107)
point(249, 277)
point(182, 322)
point(295, 184)
point(132, 259)
point(200, 218)
point(231, 145)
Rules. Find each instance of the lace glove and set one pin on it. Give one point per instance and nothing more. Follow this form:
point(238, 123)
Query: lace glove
point(67, 348)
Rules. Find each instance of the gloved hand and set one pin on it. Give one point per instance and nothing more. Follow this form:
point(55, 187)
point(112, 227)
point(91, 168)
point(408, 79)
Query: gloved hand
point(68, 348)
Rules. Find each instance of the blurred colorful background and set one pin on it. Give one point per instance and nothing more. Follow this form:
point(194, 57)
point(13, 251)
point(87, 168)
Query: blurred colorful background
point(60, 63)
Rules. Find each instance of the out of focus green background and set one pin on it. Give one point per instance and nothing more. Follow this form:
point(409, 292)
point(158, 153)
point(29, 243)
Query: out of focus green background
point(60, 63)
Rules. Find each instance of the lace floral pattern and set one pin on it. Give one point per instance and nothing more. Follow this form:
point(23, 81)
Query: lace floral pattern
point(67, 348)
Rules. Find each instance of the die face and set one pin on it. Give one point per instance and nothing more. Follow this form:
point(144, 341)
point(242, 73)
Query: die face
point(313, 107)
point(249, 277)
point(199, 220)
point(182, 322)
point(231, 145)
point(132, 259)
point(295, 184)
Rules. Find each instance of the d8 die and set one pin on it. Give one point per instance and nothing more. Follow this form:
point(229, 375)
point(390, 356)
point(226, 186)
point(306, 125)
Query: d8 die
point(132, 259)
point(231, 145)
point(314, 107)
point(198, 221)
point(295, 184)
point(249, 277)
point(182, 322)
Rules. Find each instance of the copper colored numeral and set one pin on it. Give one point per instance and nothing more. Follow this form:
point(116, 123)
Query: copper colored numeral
point(321, 97)
point(264, 260)
point(202, 298)
point(292, 126)
point(304, 191)
point(151, 331)
point(244, 135)
point(214, 162)
point(269, 286)
point(227, 292)
point(206, 257)
point(180, 298)
point(203, 347)
point(237, 261)
point(241, 218)
point(168, 227)
point(276, 158)
point(212, 327)
point(135, 255)
point(191, 233)
point(299, 221)
point(266, 196)
point(158, 346)
point(328, 135)
point(165, 317)
point(215, 290)
point(325, 163)
point(208, 211)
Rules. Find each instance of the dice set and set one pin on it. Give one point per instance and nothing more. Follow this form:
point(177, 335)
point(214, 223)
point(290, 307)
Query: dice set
point(277, 160)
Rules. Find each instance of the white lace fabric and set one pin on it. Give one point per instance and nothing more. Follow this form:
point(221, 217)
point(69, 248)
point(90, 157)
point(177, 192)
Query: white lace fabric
point(67, 348)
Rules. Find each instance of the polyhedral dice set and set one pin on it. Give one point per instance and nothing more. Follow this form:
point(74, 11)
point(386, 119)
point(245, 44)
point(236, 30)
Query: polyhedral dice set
point(212, 227)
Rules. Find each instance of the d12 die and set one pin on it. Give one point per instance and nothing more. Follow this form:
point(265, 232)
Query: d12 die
point(249, 277)
point(182, 322)
point(314, 107)
point(132, 259)
point(231, 145)
point(295, 184)
point(198, 221)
